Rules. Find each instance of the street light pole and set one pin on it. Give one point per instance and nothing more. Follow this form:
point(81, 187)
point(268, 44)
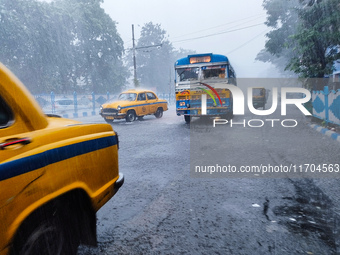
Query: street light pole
point(134, 48)
point(135, 81)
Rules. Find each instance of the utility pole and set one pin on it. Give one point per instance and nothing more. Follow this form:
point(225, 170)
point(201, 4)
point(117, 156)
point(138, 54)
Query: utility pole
point(170, 86)
point(134, 48)
point(135, 81)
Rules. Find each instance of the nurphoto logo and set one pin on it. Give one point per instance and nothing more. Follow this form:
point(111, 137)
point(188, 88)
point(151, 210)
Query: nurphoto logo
point(238, 106)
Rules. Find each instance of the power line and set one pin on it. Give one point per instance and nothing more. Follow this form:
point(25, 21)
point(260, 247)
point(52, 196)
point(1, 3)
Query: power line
point(225, 32)
point(229, 23)
point(149, 46)
point(252, 39)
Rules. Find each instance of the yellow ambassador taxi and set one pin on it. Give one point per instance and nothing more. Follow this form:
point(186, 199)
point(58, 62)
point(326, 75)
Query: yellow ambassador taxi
point(132, 104)
point(55, 174)
point(259, 97)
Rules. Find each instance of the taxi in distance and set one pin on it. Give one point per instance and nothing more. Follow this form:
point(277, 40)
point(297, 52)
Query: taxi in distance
point(133, 104)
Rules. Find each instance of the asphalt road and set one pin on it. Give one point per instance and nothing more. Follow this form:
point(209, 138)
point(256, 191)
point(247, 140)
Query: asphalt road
point(166, 206)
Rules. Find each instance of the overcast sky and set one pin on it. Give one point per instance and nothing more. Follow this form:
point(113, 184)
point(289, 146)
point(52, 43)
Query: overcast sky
point(234, 28)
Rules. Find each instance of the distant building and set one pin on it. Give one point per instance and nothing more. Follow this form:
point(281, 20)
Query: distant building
point(336, 73)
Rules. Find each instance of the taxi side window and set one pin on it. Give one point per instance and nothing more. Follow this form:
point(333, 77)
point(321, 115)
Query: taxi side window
point(151, 96)
point(5, 114)
point(141, 97)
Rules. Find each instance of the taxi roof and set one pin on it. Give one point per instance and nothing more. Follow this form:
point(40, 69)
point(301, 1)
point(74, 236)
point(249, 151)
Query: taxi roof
point(137, 91)
point(20, 99)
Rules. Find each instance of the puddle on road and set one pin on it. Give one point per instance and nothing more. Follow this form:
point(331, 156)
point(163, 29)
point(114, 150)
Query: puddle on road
point(310, 212)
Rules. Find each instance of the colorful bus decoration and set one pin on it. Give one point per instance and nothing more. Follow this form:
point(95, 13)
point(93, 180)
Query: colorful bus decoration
point(206, 74)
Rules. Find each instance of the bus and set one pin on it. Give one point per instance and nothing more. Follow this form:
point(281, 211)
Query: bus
point(204, 76)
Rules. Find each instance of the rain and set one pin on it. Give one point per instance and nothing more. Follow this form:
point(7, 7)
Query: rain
point(261, 180)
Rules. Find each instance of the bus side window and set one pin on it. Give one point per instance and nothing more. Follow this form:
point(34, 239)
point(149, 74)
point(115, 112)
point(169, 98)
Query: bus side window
point(222, 73)
point(231, 73)
point(214, 73)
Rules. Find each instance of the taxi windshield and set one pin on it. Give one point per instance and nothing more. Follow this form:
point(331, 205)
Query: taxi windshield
point(258, 92)
point(127, 97)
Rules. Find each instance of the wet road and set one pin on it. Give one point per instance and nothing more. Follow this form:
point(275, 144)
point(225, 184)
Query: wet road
point(165, 207)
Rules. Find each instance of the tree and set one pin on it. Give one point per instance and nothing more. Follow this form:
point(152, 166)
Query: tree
point(97, 45)
point(317, 39)
point(61, 45)
point(25, 41)
point(154, 57)
point(182, 53)
point(282, 17)
point(305, 35)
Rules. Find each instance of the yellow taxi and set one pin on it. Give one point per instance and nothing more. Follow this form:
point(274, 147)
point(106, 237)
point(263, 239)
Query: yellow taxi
point(55, 174)
point(132, 104)
point(259, 97)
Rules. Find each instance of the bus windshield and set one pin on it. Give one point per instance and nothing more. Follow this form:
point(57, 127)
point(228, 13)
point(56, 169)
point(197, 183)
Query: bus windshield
point(188, 74)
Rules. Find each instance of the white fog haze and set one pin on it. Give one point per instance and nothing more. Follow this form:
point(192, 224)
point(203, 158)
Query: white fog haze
point(233, 28)
point(169, 127)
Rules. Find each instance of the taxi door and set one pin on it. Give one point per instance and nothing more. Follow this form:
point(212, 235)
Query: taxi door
point(17, 140)
point(142, 107)
point(152, 102)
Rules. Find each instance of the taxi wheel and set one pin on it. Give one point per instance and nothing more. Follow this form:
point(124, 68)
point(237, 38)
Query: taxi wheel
point(159, 113)
point(130, 116)
point(47, 236)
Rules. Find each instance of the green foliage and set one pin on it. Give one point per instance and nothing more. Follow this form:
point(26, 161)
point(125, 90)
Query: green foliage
point(62, 46)
point(317, 37)
point(282, 17)
point(306, 33)
point(154, 57)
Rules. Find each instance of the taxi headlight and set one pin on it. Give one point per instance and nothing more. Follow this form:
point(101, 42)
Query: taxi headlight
point(119, 108)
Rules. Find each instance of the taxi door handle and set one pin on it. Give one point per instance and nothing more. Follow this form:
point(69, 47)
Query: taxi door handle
point(15, 141)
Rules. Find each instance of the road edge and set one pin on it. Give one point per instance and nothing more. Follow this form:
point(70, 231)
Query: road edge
point(325, 131)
